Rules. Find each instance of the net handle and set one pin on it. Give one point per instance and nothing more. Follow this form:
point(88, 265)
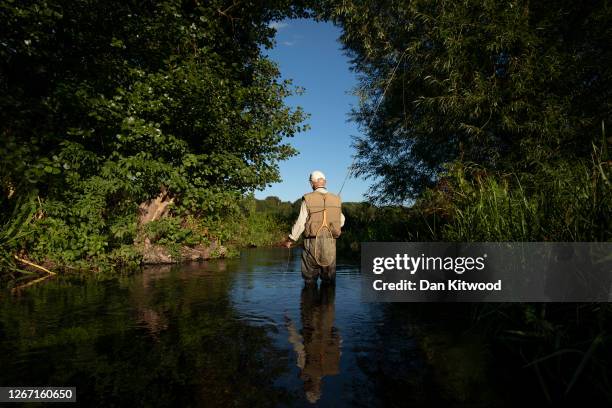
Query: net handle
point(323, 225)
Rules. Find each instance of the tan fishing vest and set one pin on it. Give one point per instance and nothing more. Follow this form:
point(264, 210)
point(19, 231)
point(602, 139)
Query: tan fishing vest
point(315, 203)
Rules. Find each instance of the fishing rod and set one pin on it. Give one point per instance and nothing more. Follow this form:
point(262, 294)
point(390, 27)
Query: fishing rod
point(351, 167)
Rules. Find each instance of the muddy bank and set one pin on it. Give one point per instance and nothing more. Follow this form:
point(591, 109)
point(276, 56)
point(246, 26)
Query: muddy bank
point(157, 254)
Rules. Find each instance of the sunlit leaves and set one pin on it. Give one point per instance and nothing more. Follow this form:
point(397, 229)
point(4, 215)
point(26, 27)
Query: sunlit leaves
point(104, 104)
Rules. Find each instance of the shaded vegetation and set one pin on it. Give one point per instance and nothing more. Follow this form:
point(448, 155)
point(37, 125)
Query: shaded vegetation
point(509, 86)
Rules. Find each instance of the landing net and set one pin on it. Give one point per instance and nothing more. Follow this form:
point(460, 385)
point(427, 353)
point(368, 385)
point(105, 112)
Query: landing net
point(325, 244)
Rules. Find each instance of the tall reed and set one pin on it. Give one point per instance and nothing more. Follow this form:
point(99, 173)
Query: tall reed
point(566, 347)
point(562, 201)
point(15, 216)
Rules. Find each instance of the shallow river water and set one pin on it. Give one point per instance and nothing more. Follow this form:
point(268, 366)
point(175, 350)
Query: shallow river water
point(238, 332)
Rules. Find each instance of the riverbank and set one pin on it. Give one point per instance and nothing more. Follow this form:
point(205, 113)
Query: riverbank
point(156, 234)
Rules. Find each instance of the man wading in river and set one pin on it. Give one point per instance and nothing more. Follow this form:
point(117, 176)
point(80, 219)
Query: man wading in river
point(321, 220)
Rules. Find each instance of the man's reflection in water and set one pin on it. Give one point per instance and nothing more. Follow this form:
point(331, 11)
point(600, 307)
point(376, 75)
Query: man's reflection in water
point(318, 345)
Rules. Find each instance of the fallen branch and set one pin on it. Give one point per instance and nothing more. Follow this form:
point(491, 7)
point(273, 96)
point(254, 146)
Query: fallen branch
point(35, 281)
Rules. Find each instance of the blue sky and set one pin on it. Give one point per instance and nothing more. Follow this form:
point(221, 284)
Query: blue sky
point(310, 54)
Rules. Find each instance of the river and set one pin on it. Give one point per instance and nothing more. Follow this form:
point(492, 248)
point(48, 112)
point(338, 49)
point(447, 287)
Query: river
point(235, 332)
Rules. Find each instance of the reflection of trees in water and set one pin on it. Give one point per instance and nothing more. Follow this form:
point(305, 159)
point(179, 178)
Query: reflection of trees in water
point(318, 346)
point(428, 355)
point(145, 291)
point(141, 294)
point(87, 335)
point(394, 371)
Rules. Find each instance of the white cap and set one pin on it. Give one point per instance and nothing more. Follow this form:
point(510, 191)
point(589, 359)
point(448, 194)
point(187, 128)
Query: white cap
point(315, 175)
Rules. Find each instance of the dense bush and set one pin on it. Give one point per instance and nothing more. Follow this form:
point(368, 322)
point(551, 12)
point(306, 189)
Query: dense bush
point(104, 104)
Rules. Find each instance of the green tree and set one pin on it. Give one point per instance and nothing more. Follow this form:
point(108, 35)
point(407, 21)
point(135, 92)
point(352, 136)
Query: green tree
point(502, 84)
point(104, 104)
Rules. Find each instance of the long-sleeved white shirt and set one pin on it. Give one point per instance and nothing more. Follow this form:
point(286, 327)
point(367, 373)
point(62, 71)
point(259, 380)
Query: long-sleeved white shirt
point(300, 223)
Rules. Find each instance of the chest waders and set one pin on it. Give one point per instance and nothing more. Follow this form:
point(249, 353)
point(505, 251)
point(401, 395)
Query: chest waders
point(325, 246)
